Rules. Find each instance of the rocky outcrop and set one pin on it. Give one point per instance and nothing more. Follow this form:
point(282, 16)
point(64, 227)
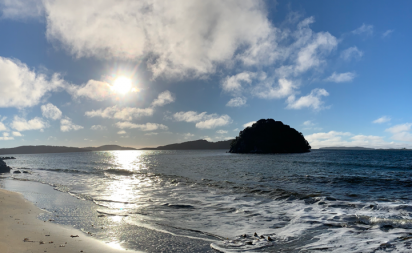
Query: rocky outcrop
point(269, 136)
point(3, 167)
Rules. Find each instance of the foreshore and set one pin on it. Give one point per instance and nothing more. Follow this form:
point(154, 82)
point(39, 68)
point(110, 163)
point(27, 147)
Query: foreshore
point(22, 232)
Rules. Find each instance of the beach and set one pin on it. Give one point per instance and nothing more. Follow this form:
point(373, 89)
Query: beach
point(23, 232)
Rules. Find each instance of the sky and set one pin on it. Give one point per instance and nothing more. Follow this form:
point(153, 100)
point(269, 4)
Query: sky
point(151, 72)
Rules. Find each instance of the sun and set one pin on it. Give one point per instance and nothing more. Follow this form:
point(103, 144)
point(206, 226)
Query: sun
point(122, 85)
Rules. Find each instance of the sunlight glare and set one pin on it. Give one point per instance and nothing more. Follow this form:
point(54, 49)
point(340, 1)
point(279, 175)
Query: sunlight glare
point(122, 85)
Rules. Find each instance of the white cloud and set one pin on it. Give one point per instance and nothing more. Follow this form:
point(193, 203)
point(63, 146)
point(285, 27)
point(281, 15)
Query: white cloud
point(189, 116)
point(184, 37)
point(249, 124)
point(208, 138)
point(381, 120)
point(93, 89)
point(164, 98)
point(387, 33)
point(221, 132)
point(213, 121)
point(51, 111)
point(308, 123)
point(187, 135)
point(17, 134)
point(21, 87)
point(233, 84)
point(6, 137)
point(364, 29)
point(269, 91)
point(127, 113)
point(98, 127)
point(67, 125)
point(346, 139)
point(203, 120)
point(2, 127)
point(351, 53)
point(341, 77)
point(401, 132)
point(143, 127)
point(21, 9)
point(236, 102)
point(151, 134)
point(121, 132)
point(21, 124)
point(312, 100)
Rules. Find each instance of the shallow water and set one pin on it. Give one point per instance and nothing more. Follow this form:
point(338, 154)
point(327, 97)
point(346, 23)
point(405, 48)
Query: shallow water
point(337, 201)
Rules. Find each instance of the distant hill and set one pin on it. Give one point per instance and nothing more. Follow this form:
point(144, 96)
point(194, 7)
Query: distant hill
point(57, 149)
point(348, 148)
point(198, 144)
point(108, 148)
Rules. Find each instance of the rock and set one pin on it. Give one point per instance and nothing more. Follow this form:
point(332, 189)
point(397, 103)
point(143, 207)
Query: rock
point(269, 136)
point(17, 172)
point(3, 167)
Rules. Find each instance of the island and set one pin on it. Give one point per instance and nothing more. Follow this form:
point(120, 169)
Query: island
point(269, 136)
point(197, 144)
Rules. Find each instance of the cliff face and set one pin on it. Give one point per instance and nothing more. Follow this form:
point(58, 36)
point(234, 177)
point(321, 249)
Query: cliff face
point(269, 136)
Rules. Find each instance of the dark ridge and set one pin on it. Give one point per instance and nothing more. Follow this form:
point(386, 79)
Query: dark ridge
point(348, 148)
point(40, 149)
point(269, 136)
point(198, 144)
point(108, 148)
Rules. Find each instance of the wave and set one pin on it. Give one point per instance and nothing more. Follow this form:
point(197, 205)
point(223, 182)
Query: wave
point(385, 222)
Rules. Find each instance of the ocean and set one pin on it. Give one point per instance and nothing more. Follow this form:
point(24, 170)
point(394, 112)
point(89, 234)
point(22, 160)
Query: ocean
point(202, 201)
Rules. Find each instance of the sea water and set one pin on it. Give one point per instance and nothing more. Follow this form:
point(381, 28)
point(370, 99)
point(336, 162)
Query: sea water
point(321, 201)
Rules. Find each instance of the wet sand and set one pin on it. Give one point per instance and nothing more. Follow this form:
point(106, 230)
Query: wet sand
point(22, 232)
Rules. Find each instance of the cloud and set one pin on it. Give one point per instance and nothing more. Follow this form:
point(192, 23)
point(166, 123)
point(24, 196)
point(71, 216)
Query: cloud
point(98, 127)
point(151, 134)
point(203, 120)
point(2, 127)
point(21, 87)
point(312, 100)
point(127, 113)
point(17, 134)
point(308, 123)
point(364, 29)
point(214, 121)
point(121, 132)
point(387, 33)
point(381, 120)
point(6, 137)
point(346, 139)
point(351, 53)
point(189, 116)
point(401, 132)
point(187, 135)
point(221, 132)
point(21, 124)
point(21, 9)
point(164, 98)
point(249, 124)
point(67, 125)
point(341, 78)
point(233, 84)
point(51, 111)
point(95, 90)
point(236, 102)
point(143, 127)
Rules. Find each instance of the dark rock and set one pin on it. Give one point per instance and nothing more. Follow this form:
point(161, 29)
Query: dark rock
point(17, 172)
point(269, 136)
point(3, 167)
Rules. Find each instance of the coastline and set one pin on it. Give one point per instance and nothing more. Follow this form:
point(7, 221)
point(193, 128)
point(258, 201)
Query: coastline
point(18, 220)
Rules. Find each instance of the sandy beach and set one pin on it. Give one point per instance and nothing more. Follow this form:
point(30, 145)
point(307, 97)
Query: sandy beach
point(21, 231)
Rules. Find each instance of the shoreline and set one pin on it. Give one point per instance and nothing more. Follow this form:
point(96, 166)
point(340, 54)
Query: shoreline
point(23, 232)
